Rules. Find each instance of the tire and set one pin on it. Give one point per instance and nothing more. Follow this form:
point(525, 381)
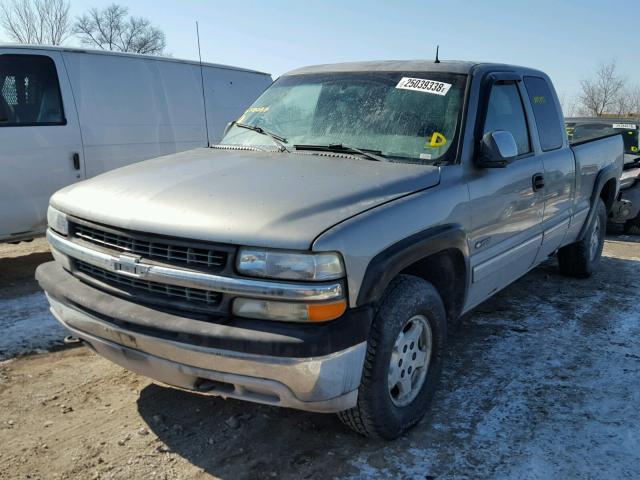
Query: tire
point(632, 227)
point(581, 259)
point(409, 306)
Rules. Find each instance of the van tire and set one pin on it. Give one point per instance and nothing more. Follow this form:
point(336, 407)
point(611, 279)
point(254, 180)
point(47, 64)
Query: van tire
point(409, 304)
point(581, 259)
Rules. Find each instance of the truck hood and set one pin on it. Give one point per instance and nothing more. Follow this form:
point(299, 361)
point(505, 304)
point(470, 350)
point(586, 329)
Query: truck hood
point(242, 197)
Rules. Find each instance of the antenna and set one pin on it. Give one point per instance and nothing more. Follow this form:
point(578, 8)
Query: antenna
point(204, 98)
point(437, 51)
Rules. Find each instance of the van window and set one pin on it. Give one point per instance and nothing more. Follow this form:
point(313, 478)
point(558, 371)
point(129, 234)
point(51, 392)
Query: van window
point(29, 91)
point(505, 112)
point(545, 112)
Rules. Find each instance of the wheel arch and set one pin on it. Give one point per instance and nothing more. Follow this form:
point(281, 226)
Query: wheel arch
point(605, 188)
point(439, 255)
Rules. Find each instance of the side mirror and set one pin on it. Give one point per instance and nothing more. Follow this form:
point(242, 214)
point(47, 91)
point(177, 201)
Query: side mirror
point(497, 149)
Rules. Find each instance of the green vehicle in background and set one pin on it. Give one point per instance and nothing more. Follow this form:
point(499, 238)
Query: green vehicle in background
point(626, 209)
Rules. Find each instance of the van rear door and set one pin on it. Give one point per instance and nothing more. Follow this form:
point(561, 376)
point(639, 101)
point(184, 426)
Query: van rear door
point(40, 137)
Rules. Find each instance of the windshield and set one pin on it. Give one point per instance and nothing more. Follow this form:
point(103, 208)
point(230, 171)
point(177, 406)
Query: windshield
point(405, 116)
point(578, 132)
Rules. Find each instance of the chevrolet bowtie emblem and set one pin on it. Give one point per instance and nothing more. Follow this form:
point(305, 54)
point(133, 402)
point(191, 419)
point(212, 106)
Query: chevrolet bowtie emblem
point(130, 265)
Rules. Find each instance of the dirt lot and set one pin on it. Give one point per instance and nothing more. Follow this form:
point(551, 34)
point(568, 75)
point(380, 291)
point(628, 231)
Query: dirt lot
point(541, 382)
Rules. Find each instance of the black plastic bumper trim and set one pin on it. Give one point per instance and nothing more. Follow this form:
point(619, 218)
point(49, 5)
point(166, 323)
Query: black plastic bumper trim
point(260, 337)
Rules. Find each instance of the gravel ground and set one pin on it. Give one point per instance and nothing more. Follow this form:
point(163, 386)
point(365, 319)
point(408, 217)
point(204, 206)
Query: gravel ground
point(542, 381)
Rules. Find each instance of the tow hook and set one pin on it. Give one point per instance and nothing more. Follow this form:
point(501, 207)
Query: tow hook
point(71, 340)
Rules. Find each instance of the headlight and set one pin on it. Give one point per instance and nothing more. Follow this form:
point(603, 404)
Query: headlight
point(57, 221)
point(261, 262)
point(288, 312)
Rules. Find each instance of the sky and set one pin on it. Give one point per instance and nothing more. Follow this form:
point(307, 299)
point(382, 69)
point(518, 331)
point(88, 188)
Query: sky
point(566, 39)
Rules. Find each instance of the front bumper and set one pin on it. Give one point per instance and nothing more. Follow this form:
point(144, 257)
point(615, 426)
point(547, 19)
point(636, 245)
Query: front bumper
point(161, 346)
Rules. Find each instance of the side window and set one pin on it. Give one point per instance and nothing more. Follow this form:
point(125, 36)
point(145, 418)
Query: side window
point(505, 112)
point(545, 112)
point(29, 91)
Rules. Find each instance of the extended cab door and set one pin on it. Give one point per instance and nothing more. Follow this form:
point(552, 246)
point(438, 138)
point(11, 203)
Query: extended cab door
point(40, 138)
point(506, 207)
point(557, 159)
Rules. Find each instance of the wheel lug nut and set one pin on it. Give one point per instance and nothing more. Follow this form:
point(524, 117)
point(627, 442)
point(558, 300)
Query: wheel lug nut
point(404, 349)
point(400, 363)
point(411, 346)
point(402, 373)
point(413, 357)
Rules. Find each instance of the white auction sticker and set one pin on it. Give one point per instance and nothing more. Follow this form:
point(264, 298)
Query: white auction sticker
point(626, 126)
point(423, 85)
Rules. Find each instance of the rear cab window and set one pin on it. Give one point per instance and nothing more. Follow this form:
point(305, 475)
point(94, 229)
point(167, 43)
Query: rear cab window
point(29, 91)
point(548, 119)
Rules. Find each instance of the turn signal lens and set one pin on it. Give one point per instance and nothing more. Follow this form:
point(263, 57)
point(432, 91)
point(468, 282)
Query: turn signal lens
point(288, 312)
point(322, 312)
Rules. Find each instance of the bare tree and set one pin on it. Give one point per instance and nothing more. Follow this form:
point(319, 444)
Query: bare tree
point(603, 92)
point(44, 22)
point(569, 105)
point(621, 103)
point(112, 29)
point(632, 96)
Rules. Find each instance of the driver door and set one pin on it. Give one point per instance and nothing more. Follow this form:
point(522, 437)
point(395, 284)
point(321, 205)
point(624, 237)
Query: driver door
point(506, 208)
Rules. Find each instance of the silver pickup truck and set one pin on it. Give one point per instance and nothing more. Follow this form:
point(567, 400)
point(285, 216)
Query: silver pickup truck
point(317, 257)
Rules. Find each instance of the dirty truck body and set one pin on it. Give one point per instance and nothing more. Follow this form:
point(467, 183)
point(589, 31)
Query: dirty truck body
point(301, 272)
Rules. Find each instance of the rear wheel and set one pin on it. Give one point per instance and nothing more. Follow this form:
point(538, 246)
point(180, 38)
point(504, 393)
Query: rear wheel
point(403, 362)
point(581, 258)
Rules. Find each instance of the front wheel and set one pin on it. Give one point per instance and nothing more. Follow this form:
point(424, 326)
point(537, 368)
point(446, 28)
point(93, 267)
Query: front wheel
point(403, 362)
point(580, 259)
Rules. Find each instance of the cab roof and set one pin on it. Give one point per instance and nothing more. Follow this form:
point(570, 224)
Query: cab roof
point(445, 66)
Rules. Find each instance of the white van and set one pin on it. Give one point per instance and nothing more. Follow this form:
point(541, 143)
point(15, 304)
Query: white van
point(70, 114)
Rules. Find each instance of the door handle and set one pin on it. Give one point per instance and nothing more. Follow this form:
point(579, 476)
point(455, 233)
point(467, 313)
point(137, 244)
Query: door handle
point(537, 182)
point(76, 161)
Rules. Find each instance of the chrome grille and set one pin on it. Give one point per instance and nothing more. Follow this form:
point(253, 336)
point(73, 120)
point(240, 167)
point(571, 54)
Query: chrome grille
point(152, 248)
point(203, 297)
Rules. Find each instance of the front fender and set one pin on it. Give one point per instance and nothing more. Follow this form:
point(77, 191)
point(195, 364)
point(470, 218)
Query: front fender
point(398, 231)
point(385, 266)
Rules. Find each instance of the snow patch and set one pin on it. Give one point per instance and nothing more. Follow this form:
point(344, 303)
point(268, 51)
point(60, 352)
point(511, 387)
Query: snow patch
point(27, 326)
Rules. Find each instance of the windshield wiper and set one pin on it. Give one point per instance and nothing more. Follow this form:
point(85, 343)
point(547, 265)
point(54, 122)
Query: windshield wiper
point(340, 148)
point(277, 139)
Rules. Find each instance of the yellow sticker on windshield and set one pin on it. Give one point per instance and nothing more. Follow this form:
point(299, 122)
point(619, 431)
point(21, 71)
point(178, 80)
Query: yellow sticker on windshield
point(437, 140)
